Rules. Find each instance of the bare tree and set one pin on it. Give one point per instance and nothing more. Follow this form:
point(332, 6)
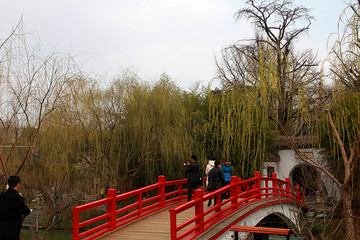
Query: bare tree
point(270, 56)
point(5, 125)
point(31, 86)
point(349, 166)
point(345, 53)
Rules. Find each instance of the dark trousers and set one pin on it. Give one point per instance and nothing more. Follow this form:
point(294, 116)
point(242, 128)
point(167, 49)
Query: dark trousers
point(209, 202)
point(191, 187)
point(226, 195)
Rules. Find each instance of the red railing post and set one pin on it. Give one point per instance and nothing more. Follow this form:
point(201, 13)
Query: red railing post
point(161, 191)
point(180, 192)
point(75, 224)
point(199, 208)
point(274, 183)
point(234, 191)
point(173, 232)
point(267, 188)
point(257, 184)
point(139, 204)
point(246, 191)
point(111, 208)
point(287, 180)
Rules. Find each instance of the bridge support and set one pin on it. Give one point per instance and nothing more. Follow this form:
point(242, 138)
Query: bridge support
point(289, 212)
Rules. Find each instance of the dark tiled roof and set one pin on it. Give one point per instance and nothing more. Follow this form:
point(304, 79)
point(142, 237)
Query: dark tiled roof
point(300, 142)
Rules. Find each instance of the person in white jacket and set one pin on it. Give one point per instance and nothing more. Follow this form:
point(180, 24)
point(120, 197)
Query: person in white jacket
point(209, 166)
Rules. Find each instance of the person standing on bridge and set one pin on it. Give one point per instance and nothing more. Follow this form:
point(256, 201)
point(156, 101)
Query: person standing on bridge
point(216, 179)
point(226, 167)
point(192, 170)
point(209, 166)
point(12, 211)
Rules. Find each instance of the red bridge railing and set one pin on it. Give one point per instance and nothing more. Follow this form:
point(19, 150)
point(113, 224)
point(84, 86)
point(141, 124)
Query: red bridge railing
point(242, 193)
point(124, 208)
point(118, 210)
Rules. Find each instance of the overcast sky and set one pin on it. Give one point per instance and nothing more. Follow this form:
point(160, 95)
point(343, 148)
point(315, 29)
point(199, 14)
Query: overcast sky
point(179, 37)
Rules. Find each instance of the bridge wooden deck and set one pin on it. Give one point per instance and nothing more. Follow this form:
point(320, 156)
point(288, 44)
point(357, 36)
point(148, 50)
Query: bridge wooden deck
point(155, 226)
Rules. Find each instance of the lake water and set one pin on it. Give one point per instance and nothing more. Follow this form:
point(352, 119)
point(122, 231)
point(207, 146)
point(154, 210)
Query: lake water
point(25, 234)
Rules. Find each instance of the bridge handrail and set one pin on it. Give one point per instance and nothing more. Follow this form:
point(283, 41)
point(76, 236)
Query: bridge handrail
point(131, 212)
point(242, 193)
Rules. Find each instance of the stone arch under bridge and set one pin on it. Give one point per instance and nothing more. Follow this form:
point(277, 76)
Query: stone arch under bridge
point(281, 215)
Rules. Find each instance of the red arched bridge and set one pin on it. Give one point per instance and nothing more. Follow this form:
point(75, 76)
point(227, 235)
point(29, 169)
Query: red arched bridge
point(160, 211)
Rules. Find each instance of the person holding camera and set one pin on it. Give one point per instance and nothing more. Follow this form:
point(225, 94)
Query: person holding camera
point(192, 170)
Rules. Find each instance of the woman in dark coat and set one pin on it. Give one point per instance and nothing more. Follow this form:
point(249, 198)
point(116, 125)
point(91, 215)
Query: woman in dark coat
point(216, 179)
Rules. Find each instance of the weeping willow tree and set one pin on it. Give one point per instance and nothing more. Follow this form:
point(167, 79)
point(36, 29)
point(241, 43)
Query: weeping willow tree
point(242, 116)
point(339, 132)
point(346, 116)
point(334, 118)
point(154, 134)
point(333, 115)
point(121, 137)
point(32, 86)
point(240, 130)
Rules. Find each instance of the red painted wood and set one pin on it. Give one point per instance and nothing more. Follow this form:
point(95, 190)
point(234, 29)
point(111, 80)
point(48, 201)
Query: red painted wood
point(242, 193)
point(256, 189)
point(127, 213)
point(265, 230)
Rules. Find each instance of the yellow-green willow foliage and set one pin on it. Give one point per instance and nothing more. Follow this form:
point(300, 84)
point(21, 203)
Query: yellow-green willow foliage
point(121, 137)
point(154, 132)
point(244, 119)
point(345, 110)
point(344, 62)
point(240, 130)
point(64, 144)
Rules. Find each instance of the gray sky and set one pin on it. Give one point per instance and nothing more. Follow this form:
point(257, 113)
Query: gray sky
point(179, 37)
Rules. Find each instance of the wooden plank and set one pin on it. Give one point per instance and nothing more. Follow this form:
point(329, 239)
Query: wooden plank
point(155, 226)
point(265, 230)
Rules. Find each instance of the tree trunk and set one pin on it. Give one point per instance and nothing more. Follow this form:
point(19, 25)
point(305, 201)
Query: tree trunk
point(3, 167)
point(348, 214)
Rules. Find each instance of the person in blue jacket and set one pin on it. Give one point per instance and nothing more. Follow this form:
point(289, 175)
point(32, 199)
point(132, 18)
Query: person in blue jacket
point(226, 167)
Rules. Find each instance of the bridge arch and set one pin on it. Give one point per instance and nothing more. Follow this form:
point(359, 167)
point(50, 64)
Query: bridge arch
point(275, 220)
point(287, 213)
